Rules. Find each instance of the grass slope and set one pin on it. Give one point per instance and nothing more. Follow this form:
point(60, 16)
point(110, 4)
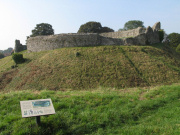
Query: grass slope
point(100, 111)
point(106, 66)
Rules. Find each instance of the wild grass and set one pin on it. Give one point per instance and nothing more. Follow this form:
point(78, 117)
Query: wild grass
point(105, 66)
point(101, 111)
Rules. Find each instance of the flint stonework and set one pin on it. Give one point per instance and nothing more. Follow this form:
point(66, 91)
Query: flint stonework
point(138, 36)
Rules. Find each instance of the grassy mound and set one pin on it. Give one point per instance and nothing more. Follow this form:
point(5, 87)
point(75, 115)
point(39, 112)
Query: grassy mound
point(91, 67)
point(97, 112)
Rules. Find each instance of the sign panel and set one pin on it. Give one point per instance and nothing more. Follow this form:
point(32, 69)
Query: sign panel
point(39, 107)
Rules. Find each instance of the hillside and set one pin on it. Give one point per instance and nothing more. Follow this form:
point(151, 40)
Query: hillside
point(91, 67)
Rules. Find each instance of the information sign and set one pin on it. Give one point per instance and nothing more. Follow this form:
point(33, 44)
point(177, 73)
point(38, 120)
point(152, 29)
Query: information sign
point(39, 107)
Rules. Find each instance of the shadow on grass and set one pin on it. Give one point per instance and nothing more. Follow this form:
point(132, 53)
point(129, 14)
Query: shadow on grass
point(27, 60)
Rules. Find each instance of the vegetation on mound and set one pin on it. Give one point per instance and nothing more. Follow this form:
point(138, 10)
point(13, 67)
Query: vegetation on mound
point(106, 66)
point(98, 112)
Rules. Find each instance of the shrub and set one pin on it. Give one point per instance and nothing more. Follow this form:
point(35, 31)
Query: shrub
point(174, 40)
point(161, 35)
point(178, 48)
point(1, 55)
point(93, 27)
point(78, 54)
point(18, 58)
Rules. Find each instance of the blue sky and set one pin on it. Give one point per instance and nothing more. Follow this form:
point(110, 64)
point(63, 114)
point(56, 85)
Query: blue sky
point(19, 17)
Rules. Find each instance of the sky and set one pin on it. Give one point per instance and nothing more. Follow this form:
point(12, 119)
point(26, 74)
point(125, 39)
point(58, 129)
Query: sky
point(19, 17)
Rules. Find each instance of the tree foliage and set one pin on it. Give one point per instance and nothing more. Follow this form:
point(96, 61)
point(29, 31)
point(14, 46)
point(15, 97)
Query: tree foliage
point(161, 35)
point(106, 29)
point(42, 29)
point(121, 29)
point(178, 48)
point(93, 27)
point(133, 24)
point(1, 55)
point(18, 58)
point(90, 27)
point(174, 40)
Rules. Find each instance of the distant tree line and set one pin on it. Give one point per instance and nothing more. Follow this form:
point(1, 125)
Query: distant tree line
point(4, 53)
point(89, 27)
point(1, 55)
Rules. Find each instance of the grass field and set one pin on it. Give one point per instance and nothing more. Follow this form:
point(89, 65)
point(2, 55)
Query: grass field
point(104, 90)
point(105, 66)
point(102, 111)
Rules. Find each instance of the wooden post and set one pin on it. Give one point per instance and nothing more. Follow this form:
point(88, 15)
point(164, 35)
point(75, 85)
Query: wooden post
point(38, 120)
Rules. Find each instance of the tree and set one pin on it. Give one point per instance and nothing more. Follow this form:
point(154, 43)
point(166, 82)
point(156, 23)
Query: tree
point(90, 27)
point(42, 29)
point(161, 35)
point(93, 27)
point(121, 29)
point(174, 40)
point(133, 24)
point(106, 29)
point(178, 48)
point(18, 58)
point(1, 55)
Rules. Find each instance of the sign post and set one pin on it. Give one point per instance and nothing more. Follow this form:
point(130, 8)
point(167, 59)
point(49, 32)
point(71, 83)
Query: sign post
point(38, 120)
point(37, 108)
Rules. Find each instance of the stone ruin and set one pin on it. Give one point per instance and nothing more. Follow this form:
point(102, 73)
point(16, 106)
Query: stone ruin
point(19, 47)
point(138, 36)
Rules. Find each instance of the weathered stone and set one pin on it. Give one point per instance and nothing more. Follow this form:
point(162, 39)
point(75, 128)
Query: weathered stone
point(129, 41)
point(19, 47)
point(156, 26)
point(140, 39)
point(151, 36)
point(121, 34)
point(139, 36)
point(41, 43)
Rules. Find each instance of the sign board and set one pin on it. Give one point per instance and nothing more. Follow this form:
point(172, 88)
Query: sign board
point(39, 107)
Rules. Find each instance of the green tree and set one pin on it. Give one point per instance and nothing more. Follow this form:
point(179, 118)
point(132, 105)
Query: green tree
point(174, 40)
point(90, 27)
point(133, 24)
point(18, 58)
point(178, 48)
point(121, 29)
point(161, 35)
point(106, 29)
point(42, 29)
point(93, 27)
point(1, 55)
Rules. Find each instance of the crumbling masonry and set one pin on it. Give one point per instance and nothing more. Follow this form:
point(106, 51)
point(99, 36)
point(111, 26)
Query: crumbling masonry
point(139, 36)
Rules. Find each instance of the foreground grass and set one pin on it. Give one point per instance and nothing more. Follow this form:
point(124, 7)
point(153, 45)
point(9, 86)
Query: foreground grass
point(97, 112)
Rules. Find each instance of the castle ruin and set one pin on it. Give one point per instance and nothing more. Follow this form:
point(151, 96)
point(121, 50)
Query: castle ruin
point(138, 36)
point(19, 47)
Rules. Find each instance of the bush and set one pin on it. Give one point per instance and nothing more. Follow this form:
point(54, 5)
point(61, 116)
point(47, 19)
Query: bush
point(174, 40)
point(178, 48)
point(18, 58)
point(1, 55)
point(93, 27)
point(161, 35)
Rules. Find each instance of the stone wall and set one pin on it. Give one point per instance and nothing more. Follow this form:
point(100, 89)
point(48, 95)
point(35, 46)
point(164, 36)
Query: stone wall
point(19, 47)
point(41, 43)
point(139, 36)
point(123, 34)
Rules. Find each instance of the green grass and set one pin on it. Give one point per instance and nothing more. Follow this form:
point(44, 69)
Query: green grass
point(99, 111)
point(103, 66)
